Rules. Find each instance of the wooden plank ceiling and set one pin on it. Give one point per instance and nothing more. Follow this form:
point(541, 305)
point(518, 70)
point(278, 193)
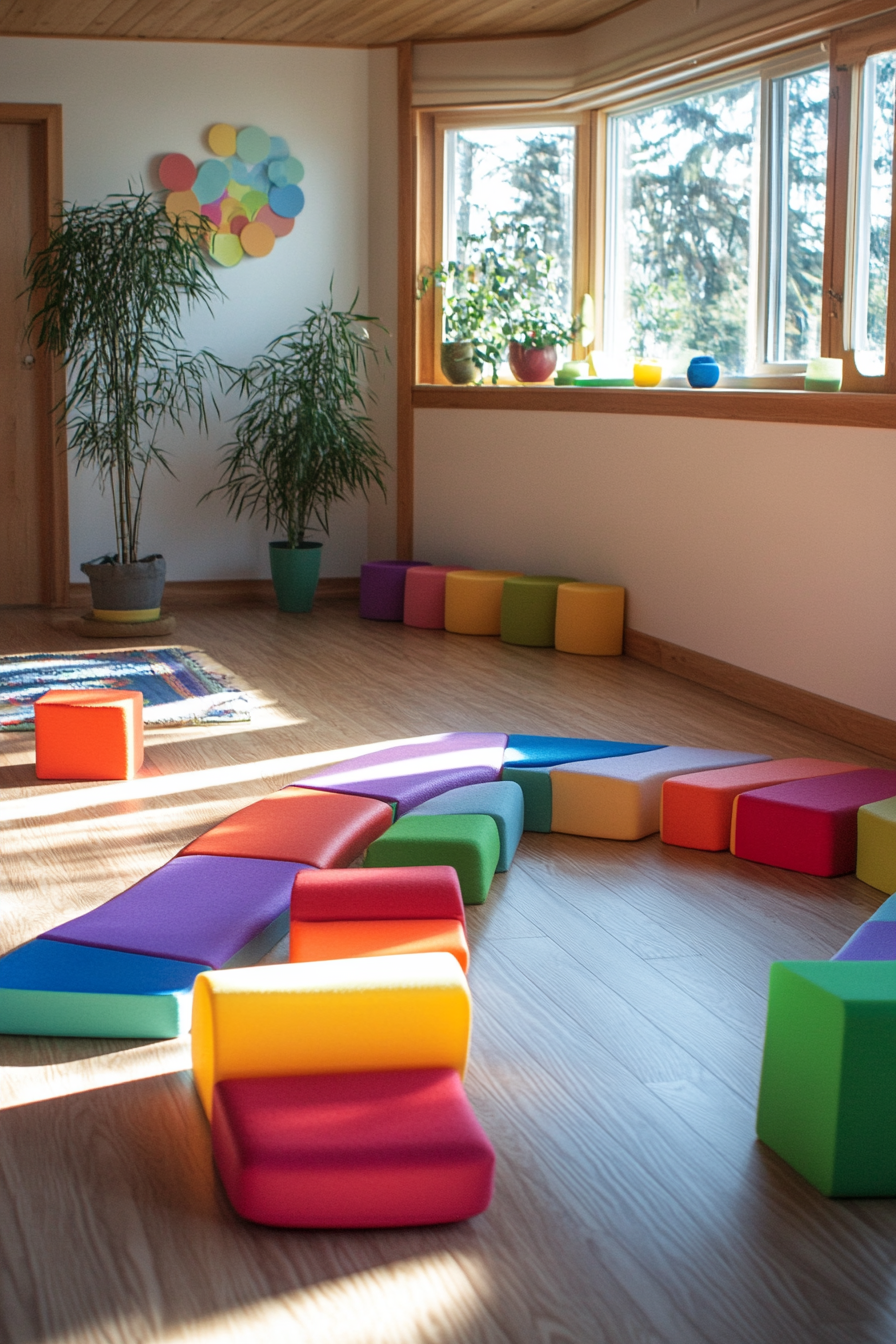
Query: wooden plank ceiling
point(331, 23)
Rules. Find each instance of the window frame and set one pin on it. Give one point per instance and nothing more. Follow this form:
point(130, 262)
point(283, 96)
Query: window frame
point(847, 48)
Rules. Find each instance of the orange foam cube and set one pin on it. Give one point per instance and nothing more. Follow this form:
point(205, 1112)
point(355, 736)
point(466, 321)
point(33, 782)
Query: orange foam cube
point(88, 734)
point(334, 940)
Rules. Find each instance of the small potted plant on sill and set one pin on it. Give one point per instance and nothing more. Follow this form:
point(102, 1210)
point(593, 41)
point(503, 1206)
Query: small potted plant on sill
point(532, 351)
point(304, 440)
point(108, 293)
point(471, 340)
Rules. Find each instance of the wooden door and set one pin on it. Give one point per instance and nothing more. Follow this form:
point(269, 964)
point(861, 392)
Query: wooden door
point(33, 508)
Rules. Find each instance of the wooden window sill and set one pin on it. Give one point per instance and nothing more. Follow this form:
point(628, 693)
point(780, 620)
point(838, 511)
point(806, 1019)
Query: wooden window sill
point(866, 410)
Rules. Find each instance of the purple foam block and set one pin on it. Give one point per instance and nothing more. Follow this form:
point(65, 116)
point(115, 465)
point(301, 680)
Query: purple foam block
point(198, 907)
point(417, 770)
point(382, 588)
point(873, 941)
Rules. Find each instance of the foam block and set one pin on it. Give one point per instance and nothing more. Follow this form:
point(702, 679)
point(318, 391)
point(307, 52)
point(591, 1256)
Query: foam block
point(197, 908)
point(320, 940)
point(382, 589)
point(424, 595)
point(876, 844)
point(414, 771)
point(590, 618)
point(88, 734)
point(378, 893)
point(886, 911)
point(473, 600)
point(502, 801)
point(299, 825)
point(535, 784)
point(524, 749)
point(63, 989)
point(809, 826)
point(358, 1015)
point(827, 1100)
point(619, 799)
point(696, 809)
point(529, 609)
point(375, 1149)
point(469, 844)
point(875, 940)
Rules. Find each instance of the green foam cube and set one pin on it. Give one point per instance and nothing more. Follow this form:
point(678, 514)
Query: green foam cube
point(536, 786)
point(827, 1100)
point(469, 844)
point(529, 609)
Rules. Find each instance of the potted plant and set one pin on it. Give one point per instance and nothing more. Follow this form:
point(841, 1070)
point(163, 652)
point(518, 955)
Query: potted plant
point(471, 340)
point(108, 292)
point(303, 440)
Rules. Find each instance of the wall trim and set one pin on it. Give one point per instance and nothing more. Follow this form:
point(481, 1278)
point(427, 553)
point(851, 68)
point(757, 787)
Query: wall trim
point(855, 726)
point(224, 592)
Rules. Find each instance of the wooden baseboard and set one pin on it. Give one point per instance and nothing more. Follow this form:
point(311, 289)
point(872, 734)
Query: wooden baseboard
point(224, 592)
point(855, 726)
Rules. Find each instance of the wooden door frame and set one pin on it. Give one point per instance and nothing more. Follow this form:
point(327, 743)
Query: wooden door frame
point(53, 465)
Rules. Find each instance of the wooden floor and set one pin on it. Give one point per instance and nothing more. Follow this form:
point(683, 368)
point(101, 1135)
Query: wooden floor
point(619, 997)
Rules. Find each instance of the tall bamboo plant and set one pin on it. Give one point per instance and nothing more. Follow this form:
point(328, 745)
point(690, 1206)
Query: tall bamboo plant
point(304, 439)
point(108, 293)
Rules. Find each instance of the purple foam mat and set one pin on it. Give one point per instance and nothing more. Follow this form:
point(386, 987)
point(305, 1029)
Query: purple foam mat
point(382, 588)
point(198, 907)
point(416, 770)
point(873, 941)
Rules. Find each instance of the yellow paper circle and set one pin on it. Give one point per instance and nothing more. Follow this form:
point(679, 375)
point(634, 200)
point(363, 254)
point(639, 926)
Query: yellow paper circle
point(231, 207)
point(226, 249)
point(237, 190)
point(257, 239)
point(222, 140)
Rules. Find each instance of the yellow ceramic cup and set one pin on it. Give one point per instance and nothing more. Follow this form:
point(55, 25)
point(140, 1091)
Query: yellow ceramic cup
point(647, 373)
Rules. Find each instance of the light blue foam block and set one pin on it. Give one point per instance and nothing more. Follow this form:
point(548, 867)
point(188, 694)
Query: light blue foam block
point(502, 800)
point(887, 911)
point(69, 989)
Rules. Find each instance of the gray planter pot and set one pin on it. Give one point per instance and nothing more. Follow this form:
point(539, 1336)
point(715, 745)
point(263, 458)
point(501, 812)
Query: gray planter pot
point(126, 592)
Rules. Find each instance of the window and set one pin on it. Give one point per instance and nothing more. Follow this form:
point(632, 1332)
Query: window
point(874, 201)
point(715, 225)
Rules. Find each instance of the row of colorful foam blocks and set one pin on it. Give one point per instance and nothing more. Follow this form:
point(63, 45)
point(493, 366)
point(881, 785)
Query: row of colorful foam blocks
point(537, 610)
point(448, 810)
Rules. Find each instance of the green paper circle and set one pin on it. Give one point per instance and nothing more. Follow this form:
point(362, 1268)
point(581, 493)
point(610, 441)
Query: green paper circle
point(253, 201)
point(253, 144)
point(226, 249)
point(293, 171)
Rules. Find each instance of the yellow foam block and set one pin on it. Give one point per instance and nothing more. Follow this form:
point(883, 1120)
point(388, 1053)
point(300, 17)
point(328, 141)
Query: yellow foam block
point(589, 618)
point(876, 852)
point(396, 1012)
point(473, 600)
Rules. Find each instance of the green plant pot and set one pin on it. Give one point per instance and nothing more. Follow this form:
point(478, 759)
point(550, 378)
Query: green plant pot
point(295, 571)
point(457, 362)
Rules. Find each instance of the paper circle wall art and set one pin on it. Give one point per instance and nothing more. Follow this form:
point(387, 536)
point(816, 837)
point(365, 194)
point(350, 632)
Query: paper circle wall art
point(248, 195)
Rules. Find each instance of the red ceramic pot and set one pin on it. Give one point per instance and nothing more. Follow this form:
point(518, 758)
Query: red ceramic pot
point(532, 364)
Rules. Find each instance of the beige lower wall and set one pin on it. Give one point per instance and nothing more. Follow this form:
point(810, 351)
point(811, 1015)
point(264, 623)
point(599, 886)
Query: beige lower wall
point(769, 546)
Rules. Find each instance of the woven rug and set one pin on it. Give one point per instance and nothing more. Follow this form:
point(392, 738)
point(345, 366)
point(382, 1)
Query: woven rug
point(179, 685)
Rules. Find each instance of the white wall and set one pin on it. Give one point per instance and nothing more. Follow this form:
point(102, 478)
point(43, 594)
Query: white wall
point(772, 547)
point(125, 103)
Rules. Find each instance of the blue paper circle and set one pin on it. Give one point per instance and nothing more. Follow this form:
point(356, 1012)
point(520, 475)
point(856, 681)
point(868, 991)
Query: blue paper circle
point(277, 173)
point(211, 181)
point(279, 148)
point(287, 202)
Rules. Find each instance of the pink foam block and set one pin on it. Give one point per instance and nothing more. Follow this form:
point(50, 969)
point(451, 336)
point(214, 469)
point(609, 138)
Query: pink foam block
point(377, 1149)
point(424, 596)
point(808, 826)
point(379, 893)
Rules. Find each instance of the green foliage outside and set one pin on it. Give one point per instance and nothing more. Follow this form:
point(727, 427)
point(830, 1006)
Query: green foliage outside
point(108, 293)
point(304, 439)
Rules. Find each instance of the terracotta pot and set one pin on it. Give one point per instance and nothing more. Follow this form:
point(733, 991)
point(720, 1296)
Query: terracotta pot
point(532, 364)
point(457, 362)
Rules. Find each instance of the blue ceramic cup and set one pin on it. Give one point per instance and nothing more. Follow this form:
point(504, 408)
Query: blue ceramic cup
point(703, 371)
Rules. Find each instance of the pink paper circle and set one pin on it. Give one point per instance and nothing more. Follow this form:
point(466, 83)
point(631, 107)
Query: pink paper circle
point(278, 226)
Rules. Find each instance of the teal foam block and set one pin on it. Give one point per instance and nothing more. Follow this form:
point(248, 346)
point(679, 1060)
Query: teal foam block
point(502, 801)
point(887, 910)
point(827, 1100)
point(528, 749)
point(69, 989)
point(536, 787)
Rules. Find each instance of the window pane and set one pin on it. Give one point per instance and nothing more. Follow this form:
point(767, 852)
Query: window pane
point(509, 199)
point(679, 229)
point(797, 179)
point(873, 206)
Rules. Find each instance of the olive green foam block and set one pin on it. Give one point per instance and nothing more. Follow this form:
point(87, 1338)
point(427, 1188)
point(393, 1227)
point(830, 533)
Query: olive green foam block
point(529, 610)
point(827, 1100)
point(876, 849)
point(536, 786)
point(469, 844)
